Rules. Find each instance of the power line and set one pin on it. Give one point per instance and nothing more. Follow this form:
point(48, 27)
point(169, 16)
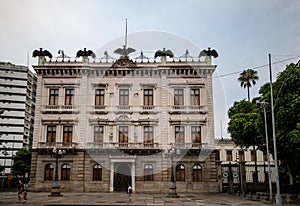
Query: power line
point(258, 67)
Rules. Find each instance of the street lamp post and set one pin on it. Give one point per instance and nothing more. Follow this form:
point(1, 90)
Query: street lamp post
point(5, 153)
point(57, 154)
point(278, 195)
point(264, 105)
point(172, 189)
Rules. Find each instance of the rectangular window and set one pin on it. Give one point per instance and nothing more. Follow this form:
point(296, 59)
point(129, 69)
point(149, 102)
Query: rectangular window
point(252, 155)
point(123, 135)
point(69, 96)
point(98, 134)
point(179, 134)
point(196, 135)
point(99, 97)
point(148, 97)
point(241, 155)
point(51, 133)
point(124, 97)
point(195, 97)
point(178, 97)
point(148, 136)
point(228, 155)
point(67, 134)
point(53, 96)
point(217, 153)
point(265, 156)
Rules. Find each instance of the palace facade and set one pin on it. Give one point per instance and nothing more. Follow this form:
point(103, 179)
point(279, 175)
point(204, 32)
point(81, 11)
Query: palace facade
point(116, 123)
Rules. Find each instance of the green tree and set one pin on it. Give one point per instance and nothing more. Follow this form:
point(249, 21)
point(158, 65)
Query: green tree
point(245, 128)
point(248, 78)
point(22, 161)
point(287, 118)
point(245, 124)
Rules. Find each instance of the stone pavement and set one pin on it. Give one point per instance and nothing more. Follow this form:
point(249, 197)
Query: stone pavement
point(118, 199)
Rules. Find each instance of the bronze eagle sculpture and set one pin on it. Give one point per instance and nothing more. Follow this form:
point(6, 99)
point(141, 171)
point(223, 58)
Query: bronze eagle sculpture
point(124, 51)
point(209, 52)
point(85, 53)
point(164, 52)
point(41, 53)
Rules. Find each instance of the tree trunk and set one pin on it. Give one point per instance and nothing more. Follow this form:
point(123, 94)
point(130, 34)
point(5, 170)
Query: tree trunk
point(248, 94)
point(289, 172)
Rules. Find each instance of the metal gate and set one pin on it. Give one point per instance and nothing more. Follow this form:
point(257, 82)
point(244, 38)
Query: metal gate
point(122, 177)
point(230, 173)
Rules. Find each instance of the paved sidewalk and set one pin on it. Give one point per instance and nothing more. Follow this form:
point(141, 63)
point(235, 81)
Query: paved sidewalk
point(80, 199)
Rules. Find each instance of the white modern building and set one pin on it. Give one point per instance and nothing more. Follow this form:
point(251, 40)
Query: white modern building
point(17, 104)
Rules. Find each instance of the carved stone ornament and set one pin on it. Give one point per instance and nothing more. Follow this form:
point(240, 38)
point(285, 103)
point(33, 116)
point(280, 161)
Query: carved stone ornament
point(123, 117)
point(124, 61)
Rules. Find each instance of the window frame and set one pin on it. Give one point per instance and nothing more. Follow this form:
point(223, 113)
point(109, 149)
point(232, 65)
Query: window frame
point(124, 97)
point(180, 173)
point(195, 98)
point(53, 96)
point(196, 134)
point(69, 96)
point(148, 136)
point(97, 172)
point(67, 133)
point(148, 172)
point(65, 172)
point(178, 97)
point(98, 133)
point(179, 134)
point(148, 97)
point(99, 97)
point(229, 155)
point(51, 133)
point(123, 133)
point(197, 174)
point(48, 172)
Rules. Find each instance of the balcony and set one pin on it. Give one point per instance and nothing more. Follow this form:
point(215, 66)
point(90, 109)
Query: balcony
point(121, 109)
point(188, 146)
point(99, 109)
point(117, 145)
point(60, 109)
point(60, 145)
point(190, 109)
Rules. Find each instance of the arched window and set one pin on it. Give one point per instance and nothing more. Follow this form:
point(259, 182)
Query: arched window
point(48, 175)
point(180, 173)
point(97, 172)
point(65, 172)
point(197, 173)
point(148, 172)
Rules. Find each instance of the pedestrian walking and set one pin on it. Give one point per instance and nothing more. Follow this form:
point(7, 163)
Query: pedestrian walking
point(21, 192)
point(129, 193)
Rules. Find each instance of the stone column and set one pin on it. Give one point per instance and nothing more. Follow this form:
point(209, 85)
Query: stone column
point(111, 188)
point(133, 175)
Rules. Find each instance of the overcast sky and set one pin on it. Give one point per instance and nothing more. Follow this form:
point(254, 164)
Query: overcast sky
point(243, 32)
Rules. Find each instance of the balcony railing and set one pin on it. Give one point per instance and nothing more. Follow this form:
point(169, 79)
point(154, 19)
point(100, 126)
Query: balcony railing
point(123, 107)
point(60, 108)
point(118, 145)
point(188, 109)
point(60, 145)
point(188, 145)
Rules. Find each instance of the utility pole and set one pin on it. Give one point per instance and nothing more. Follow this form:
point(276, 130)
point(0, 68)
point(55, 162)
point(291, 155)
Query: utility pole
point(278, 196)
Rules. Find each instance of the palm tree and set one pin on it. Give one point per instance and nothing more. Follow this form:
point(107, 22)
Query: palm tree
point(248, 78)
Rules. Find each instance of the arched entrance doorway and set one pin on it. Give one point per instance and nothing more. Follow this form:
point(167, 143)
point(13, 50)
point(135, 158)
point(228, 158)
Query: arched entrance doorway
point(122, 176)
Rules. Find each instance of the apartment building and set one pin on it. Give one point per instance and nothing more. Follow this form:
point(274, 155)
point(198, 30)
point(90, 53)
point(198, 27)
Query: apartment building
point(17, 105)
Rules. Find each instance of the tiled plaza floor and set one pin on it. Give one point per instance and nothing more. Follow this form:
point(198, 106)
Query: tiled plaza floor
point(80, 199)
